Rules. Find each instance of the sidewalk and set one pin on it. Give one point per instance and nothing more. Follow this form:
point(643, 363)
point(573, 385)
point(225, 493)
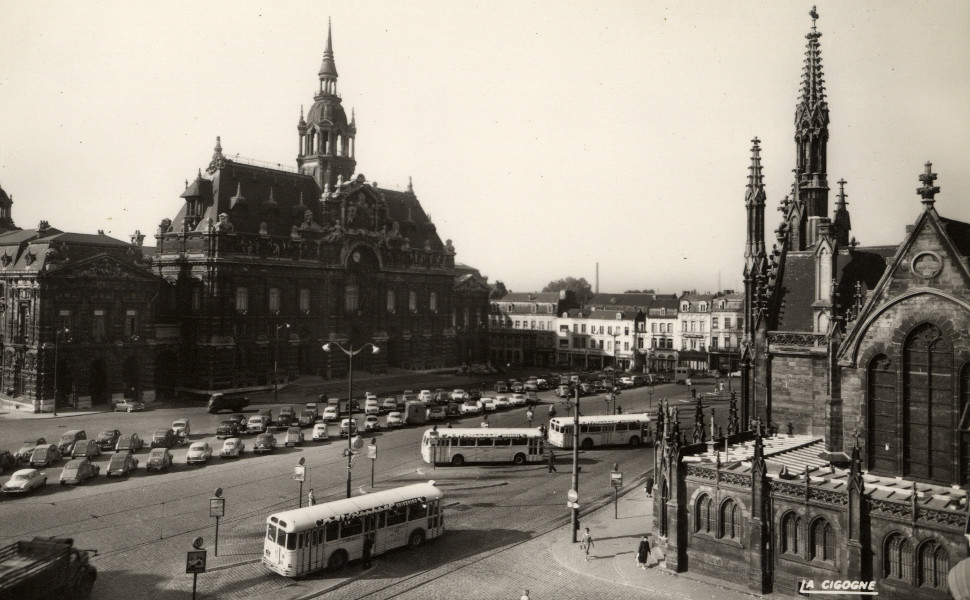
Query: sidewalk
point(18, 415)
point(613, 556)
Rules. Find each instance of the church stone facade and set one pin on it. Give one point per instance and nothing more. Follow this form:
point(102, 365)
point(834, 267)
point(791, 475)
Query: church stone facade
point(850, 454)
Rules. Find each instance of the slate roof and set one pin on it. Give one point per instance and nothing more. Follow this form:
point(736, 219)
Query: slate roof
point(534, 297)
point(632, 300)
point(605, 315)
point(959, 233)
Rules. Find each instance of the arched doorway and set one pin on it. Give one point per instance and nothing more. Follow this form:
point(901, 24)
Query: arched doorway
point(98, 381)
point(131, 378)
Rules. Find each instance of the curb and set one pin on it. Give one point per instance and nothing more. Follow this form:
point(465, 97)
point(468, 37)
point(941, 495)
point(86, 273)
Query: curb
point(232, 565)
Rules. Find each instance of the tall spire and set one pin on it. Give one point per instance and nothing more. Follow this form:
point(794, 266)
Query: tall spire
point(754, 201)
point(841, 221)
point(811, 136)
point(328, 68)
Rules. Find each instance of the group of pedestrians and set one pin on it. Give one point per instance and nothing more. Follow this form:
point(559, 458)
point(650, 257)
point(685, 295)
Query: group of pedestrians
point(643, 548)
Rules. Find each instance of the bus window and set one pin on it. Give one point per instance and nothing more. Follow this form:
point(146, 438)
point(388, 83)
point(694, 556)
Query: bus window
point(299, 540)
point(281, 538)
point(397, 515)
point(503, 442)
point(291, 541)
point(484, 442)
point(418, 511)
point(466, 441)
point(271, 532)
point(518, 441)
point(623, 426)
point(381, 521)
point(351, 527)
point(333, 530)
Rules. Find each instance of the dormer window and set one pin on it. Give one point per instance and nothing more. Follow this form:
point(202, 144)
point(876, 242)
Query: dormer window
point(663, 312)
point(702, 307)
point(684, 306)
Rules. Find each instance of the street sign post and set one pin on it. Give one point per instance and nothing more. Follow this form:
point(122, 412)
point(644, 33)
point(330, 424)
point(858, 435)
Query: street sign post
point(372, 455)
point(195, 563)
point(616, 481)
point(299, 474)
point(217, 509)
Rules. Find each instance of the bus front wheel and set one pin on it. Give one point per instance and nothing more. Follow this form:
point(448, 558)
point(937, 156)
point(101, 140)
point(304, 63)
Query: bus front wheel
point(337, 560)
point(634, 442)
point(587, 444)
point(416, 539)
point(519, 459)
point(458, 460)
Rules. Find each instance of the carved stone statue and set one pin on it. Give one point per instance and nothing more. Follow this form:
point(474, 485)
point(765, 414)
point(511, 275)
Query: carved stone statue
point(224, 225)
point(263, 229)
point(164, 226)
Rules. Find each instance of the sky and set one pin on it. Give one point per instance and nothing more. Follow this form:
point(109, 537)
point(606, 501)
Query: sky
point(543, 138)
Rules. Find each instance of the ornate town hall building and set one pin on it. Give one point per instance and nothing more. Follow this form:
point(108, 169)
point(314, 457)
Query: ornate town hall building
point(269, 263)
point(856, 363)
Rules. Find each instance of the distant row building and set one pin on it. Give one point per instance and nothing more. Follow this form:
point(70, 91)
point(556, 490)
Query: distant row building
point(644, 332)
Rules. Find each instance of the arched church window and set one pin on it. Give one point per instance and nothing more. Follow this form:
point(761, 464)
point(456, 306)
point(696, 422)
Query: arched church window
point(898, 558)
point(927, 405)
point(881, 453)
point(934, 563)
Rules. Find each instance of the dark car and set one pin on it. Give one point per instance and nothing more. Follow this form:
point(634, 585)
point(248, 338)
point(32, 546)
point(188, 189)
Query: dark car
point(78, 471)
point(27, 448)
point(68, 438)
point(108, 438)
point(164, 438)
point(227, 429)
point(7, 461)
point(308, 417)
point(159, 459)
point(265, 442)
point(286, 417)
point(129, 443)
point(453, 409)
point(121, 464)
point(474, 394)
point(239, 420)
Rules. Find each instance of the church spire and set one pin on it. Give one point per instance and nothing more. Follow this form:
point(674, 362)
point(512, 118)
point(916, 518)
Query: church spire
point(754, 201)
point(328, 68)
point(812, 134)
point(841, 221)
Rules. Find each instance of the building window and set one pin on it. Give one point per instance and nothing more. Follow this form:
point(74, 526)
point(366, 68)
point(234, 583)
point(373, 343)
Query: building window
point(714, 344)
point(653, 343)
point(517, 324)
point(465, 316)
point(351, 298)
point(704, 514)
point(791, 531)
point(532, 324)
point(927, 373)
point(727, 322)
point(575, 328)
point(640, 343)
point(242, 299)
point(413, 301)
point(582, 328)
point(730, 520)
point(601, 329)
point(196, 299)
point(131, 324)
point(609, 330)
point(713, 323)
point(683, 325)
point(823, 541)
point(670, 344)
point(564, 329)
point(701, 326)
point(653, 328)
point(274, 300)
point(601, 344)
point(693, 325)
point(693, 344)
point(304, 300)
point(98, 329)
point(626, 346)
point(934, 563)
point(626, 331)
point(391, 302)
point(433, 301)
point(898, 558)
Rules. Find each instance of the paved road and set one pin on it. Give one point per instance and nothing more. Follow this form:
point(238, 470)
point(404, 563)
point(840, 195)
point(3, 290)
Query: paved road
point(142, 527)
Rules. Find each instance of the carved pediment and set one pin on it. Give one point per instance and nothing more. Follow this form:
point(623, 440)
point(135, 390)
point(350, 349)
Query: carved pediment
point(105, 268)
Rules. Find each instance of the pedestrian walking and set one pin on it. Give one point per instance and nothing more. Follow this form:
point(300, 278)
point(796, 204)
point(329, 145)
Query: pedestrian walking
point(310, 500)
point(552, 411)
point(542, 430)
point(552, 462)
point(484, 420)
point(648, 486)
point(586, 544)
point(368, 546)
point(528, 416)
point(643, 553)
point(449, 424)
point(525, 596)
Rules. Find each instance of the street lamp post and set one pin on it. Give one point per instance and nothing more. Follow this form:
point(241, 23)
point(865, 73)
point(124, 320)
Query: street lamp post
point(613, 382)
point(57, 336)
point(276, 363)
point(575, 514)
point(329, 346)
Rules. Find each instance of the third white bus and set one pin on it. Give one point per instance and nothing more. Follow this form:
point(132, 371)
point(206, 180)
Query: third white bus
point(599, 430)
point(460, 445)
point(327, 535)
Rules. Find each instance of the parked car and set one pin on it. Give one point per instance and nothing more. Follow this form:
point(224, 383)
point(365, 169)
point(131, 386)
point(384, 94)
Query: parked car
point(389, 404)
point(309, 416)
point(531, 385)
point(470, 407)
point(45, 455)
point(395, 419)
point(453, 409)
point(474, 394)
point(159, 459)
point(501, 387)
point(371, 423)
point(348, 427)
point(86, 449)
point(78, 471)
point(7, 461)
point(130, 443)
point(265, 442)
point(231, 402)
point(164, 438)
point(564, 391)
point(27, 448)
point(531, 398)
point(121, 464)
point(518, 387)
point(501, 402)
point(459, 394)
point(240, 420)
point(488, 404)
point(293, 437)
point(199, 453)
point(227, 429)
point(436, 413)
point(182, 427)
point(24, 481)
point(257, 424)
point(425, 396)
point(518, 400)
point(232, 448)
point(66, 443)
point(320, 432)
point(370, 396)
point(129, 406)
point(543, 384)
point(108, 438)
point(286, 417)
point(372, 407)
point(330, 414)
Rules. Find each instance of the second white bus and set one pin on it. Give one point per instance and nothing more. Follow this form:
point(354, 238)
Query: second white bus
point(328, 535)
point(460, 445)
point(599, 430)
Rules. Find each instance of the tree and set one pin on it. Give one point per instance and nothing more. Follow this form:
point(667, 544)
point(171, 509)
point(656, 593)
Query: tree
point(580, 287)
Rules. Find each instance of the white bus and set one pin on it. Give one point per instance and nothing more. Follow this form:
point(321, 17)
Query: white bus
point(328, 535)
point(519, 445)
point(599, 430)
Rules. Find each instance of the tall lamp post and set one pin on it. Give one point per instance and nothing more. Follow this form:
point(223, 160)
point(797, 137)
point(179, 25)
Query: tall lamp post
point(329, 346)
point(276, 363)
point(57, 337)
point(575, 507)
point(613, 382)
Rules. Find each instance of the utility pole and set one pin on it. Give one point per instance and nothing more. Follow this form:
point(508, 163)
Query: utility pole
point(576, 465)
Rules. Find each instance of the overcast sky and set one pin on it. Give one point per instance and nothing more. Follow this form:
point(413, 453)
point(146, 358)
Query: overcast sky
point(542, 137)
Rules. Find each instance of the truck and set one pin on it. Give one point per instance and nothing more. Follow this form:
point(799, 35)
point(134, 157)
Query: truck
point(219, 401)
point(45, 569)
point(415, 412)
point(682, 374)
